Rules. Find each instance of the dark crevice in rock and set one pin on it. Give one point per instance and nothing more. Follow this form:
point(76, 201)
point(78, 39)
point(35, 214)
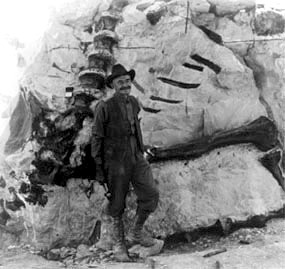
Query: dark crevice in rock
point(222, 228)
point(179, 83)
point(196, 57)
point(258, 70)
point(54, 65)
point(84, 46)
point(211, 35)
point(217, 83)
point(34, 193)
point(63, 47)
point(17, 203)
point(151, 70)
point(151, 110)
point(272, 161)
point(267, 107)
point(283, 160)
point(4, 215)
point(54, 76)
point(2, 182)
point(138, 86)
point(95, 235)
point(160, 99)
point(194, 67)
point(213, 9)
point(88, 29)
point(154, 16)
point(261, 132)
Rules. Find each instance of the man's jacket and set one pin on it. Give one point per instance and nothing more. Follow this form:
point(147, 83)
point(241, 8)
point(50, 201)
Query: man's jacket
point(111, 130)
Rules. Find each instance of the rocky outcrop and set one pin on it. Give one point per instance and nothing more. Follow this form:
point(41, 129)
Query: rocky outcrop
point(269, 23)
point(201, 92)
point(197, 193)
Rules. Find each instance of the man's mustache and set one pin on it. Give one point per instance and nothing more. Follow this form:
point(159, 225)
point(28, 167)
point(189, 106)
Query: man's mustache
point(125, 88)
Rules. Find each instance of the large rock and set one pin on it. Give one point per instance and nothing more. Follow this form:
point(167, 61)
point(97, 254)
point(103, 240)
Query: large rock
point(149, 50)
point(69, 217)
point(226, 182)
point(192, 195)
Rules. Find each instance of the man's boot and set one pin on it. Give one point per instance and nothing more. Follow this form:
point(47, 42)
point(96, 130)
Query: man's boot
point(120, 249)
point(137, 236)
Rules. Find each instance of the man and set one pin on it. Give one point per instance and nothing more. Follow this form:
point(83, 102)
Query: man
point(117, 148)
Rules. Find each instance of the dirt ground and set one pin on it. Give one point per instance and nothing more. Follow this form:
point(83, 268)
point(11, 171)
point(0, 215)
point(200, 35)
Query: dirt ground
point(260, 248)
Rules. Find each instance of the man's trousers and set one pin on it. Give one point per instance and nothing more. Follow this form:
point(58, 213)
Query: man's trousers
point(134, 169)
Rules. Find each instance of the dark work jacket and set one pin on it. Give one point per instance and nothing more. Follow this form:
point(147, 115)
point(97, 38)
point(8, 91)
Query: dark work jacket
point(111, 130)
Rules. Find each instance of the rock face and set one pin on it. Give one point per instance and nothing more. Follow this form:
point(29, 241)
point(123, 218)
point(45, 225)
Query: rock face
point(194, 82)
point(197, 193)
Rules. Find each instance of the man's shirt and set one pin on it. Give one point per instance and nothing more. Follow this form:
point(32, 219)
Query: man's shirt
point(101, 118)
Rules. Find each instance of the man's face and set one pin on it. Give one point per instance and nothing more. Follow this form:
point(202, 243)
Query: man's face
point(123, 84)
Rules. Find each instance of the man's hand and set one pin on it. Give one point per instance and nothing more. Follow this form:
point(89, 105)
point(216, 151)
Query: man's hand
point(148, 152)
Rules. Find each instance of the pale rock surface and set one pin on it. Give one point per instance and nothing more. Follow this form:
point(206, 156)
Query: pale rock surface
point(227, 182)
point(192, 193)
point(236, 30)
point(268, 59)
point(155, 50)
point(239, 111)
point(69, 217)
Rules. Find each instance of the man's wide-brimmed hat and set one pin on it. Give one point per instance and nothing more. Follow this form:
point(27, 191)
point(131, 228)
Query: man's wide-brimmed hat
point(117, 71)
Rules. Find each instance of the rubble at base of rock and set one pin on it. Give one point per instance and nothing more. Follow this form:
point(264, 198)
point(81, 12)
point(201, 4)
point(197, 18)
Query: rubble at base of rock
point(90, 254)
point(70, 257)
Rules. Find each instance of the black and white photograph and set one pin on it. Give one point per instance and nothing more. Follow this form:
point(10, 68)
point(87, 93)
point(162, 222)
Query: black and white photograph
point(142, 134)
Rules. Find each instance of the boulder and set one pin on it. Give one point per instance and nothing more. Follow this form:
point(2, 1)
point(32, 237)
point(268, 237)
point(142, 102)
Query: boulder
point(268, 22)
point(68, 218)
point(197, 193)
